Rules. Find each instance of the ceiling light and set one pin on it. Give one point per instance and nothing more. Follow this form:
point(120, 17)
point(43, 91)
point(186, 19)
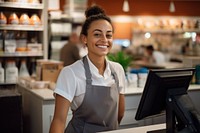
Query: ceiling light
point(125, 7)
point(172, 7)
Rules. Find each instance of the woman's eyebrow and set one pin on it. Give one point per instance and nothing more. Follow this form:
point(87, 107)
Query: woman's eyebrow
point(100, 30)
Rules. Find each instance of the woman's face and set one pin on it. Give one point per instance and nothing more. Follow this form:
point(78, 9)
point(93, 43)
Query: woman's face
point(99, 38)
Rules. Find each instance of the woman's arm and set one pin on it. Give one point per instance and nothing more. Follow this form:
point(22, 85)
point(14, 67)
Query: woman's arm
point(60, 115)
point(121, 107)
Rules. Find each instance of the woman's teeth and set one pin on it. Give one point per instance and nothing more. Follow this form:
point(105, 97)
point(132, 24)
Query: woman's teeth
point(100, 46)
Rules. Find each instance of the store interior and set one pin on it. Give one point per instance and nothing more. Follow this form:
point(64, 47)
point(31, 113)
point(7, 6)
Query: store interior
point(32, 33)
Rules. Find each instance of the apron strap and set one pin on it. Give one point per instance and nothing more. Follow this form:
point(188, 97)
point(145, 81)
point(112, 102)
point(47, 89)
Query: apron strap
point(114, 74)
point(87, 71)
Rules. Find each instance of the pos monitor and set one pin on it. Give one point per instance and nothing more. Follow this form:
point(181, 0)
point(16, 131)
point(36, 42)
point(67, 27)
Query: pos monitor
point(166, 91)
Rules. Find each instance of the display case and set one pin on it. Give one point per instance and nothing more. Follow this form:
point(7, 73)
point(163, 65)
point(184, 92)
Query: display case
point(23, 32)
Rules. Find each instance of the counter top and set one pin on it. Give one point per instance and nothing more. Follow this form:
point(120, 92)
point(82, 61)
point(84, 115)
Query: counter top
point(44, 93)
point(160, 66)
point(142, 129)
point(137, 90)
point(47, 94)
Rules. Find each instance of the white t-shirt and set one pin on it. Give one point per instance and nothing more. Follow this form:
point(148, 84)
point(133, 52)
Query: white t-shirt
point(159, 57)
point(71, 82)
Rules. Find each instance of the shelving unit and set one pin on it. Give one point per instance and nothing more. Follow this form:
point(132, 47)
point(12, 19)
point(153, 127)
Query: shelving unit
point(39, 31)
point(61, 28)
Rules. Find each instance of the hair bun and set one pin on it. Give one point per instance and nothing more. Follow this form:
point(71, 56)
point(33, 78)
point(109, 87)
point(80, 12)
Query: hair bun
point(94, 10)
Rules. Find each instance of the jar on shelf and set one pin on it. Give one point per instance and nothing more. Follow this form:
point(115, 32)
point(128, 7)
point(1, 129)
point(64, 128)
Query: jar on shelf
point(21, 41)
point(13, 19)
point(3, 19)
point(35, 20)
point(34, 1)
point(24, 19)
point(10, 42)
point(11, 72)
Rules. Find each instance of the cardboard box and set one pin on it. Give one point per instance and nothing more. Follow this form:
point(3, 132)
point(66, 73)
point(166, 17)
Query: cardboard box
point(48, 70)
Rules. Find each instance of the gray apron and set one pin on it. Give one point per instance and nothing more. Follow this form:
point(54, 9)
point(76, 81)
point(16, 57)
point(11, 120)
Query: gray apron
point(99, 109)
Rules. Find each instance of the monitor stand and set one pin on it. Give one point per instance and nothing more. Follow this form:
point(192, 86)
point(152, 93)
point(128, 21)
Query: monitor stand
point(157, 131)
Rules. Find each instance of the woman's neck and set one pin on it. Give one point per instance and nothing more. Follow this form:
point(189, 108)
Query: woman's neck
point(99, 62)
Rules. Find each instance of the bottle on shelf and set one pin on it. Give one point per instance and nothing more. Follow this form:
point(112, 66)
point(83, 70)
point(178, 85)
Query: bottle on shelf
point(10, 42)
point(1, 74)
point(33, 68)
point(11, 72)
point(23, 71)
point(21, 41)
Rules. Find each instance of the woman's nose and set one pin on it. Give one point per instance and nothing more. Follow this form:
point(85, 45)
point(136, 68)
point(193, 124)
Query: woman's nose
point(104, 38)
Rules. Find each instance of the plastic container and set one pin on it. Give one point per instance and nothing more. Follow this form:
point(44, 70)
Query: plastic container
point(10, 42)
point(11, 72)
point(132, 80)
point(21, 41)
point(23, 71)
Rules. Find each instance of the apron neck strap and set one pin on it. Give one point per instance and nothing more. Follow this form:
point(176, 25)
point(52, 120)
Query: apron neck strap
point(114, 74)
point(87, 71)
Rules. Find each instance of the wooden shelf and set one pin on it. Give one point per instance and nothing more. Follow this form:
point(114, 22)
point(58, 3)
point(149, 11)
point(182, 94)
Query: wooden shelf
point(22, 27)
point(22, 5)
point(22, 54)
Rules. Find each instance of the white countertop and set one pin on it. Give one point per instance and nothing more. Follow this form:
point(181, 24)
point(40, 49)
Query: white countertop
point(47, 94)
point(137, 90)
point(162, 65)
point(142, 129)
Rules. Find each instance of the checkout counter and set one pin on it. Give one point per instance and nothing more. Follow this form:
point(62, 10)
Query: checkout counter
point(38, 110)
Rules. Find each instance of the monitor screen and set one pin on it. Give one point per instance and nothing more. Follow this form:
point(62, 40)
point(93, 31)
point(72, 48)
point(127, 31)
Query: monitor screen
point(159, 82)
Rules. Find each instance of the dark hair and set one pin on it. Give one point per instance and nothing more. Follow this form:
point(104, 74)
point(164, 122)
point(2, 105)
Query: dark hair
point(150, 47)
point(92, 14)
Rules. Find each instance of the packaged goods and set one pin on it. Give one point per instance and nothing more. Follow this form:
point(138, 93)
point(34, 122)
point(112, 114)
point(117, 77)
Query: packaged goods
point(21, 41)
point(35, 20)
point(23, 71)
point(3, 19)
point(24, 19)
point(48, 70)
point(10, 42)
point(11, 72)
point(13, 19)
point(34, 1)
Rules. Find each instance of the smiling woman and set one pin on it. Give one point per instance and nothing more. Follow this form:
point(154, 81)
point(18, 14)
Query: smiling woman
point(93, 87)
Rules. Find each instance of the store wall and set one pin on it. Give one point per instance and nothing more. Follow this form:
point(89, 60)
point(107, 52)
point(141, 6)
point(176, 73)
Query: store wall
point(150, 7)
point(147, 7)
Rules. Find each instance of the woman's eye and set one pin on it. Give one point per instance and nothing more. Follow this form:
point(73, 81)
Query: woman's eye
point(97, 35)
point(109, 36)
